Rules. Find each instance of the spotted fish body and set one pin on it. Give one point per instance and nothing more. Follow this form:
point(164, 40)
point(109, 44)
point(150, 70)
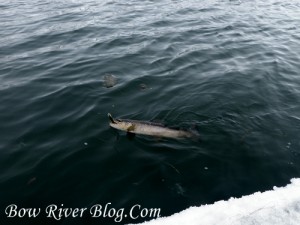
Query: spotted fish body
point(148, 128)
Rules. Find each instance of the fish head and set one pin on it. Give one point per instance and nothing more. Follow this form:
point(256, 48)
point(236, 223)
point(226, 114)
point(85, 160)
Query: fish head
point(120, 124)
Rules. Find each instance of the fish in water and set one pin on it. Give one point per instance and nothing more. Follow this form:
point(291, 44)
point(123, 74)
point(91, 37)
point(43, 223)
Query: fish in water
point(148, 128)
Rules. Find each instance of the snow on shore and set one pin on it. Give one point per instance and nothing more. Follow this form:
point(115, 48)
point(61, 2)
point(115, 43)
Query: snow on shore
point(278, 206)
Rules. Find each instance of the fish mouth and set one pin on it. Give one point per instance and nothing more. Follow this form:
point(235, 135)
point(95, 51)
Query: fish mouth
point(111, 118)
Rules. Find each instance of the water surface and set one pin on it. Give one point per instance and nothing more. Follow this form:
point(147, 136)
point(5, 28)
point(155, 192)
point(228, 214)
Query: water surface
point(229, 69)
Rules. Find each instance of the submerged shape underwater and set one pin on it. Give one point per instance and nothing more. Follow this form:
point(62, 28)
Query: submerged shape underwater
point(228, 68)
point(132, 127)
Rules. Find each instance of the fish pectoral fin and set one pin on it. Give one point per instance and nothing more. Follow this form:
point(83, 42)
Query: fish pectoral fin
point(131, 128)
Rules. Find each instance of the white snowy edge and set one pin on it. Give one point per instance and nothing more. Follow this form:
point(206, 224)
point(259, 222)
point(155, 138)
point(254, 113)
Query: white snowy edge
point(278, 206)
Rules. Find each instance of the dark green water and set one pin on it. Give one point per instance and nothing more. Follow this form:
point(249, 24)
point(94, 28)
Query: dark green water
point(229, 69)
